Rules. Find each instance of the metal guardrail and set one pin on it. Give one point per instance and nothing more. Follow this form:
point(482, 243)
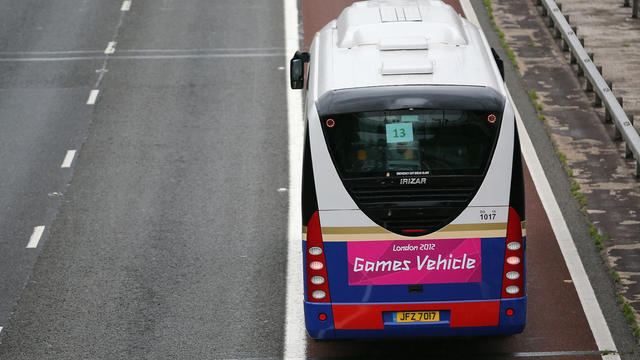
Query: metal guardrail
point(603, 91)
point(634, 11)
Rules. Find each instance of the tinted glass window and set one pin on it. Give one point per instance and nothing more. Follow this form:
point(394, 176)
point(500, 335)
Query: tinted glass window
point(428, 142)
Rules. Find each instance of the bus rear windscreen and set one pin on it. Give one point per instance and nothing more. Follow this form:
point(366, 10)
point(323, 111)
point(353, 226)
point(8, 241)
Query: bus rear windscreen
point(429, 142)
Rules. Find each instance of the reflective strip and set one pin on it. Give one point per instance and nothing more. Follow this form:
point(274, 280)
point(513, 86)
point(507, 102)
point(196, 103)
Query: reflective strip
point(453, 231)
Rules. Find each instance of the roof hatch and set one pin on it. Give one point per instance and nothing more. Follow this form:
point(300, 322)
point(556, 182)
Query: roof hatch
point(399, 25)
point(399, 13)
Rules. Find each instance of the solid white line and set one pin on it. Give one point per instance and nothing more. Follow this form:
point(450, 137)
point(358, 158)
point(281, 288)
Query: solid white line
point(126, 5)
point(93, 95)
point(111, 48)
point(587, 296)
point(35, 237)
point(68, 159)
point(295, 338)
point(588, 299)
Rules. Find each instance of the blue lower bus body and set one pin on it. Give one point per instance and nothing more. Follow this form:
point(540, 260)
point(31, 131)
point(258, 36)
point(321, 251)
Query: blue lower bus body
point(466, 309)
point(327, 329)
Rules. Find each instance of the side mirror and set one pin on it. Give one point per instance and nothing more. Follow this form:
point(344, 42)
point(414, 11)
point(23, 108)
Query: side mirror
point(499, 62)
point(296, 69)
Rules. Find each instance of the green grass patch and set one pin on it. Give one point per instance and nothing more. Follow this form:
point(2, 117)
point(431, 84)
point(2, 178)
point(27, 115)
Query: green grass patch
point(626, 44)
point(598, 239)
point(501, 35)
point(563, 158)
point(575, 187)
point(631, 318)
point(534, 99)
point(615, 276)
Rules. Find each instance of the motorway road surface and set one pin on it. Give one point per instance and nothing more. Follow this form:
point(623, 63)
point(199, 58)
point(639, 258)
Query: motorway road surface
point(166, 237)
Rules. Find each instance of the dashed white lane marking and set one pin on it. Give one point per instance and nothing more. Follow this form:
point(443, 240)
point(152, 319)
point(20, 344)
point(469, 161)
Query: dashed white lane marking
point(126, 5)
point(93, 95)
point(295, 338)
point(111, 48)
point(35, 237)
point(68, 159)
point(590, 305)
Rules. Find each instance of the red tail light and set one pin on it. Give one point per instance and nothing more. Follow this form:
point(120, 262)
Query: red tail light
point(317, 282)
point(413, 231)
point(513, 275)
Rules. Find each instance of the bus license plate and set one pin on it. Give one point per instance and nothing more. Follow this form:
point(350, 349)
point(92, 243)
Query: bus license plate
point(417, 316)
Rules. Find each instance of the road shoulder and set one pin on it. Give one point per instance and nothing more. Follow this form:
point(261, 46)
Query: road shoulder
point(579, 228)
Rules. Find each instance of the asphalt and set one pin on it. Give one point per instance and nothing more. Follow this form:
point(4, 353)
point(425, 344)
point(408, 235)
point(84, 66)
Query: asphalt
point(167, 238)
point(170, 240)
point(42, 115)
point(606, 178)
point(555, 319)
point(594, 264)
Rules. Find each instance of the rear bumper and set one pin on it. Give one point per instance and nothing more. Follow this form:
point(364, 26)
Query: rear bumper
point(367, 320)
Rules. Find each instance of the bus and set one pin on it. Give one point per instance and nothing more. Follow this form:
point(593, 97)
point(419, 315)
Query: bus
point(413, 220)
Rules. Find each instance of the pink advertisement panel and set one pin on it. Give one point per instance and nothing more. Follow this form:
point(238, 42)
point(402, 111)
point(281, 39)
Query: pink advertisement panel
point(400, 262)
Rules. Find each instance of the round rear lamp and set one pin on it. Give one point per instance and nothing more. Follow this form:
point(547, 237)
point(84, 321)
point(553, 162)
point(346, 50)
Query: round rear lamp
point(513, 260)
point(319, 294)
point(514, 245)
point(510, 312)
point(511, 275)
point(317, 280)
point(512, 289)
point(322, 316)
point(316, 265)
point(315, 250)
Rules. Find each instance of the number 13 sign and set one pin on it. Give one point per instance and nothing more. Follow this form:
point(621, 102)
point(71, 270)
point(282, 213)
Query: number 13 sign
point(399, 132)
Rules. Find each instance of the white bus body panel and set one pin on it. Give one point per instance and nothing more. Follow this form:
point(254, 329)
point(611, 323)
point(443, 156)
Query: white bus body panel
point(351, 52)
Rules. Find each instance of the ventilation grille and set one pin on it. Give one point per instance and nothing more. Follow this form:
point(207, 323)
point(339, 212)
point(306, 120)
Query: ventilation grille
point(413, 209)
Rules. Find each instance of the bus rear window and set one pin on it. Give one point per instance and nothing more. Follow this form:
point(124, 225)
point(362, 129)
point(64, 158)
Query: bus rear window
point(412, 141)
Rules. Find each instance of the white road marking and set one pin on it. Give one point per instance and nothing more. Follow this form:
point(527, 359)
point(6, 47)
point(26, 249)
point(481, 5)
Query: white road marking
point(295, 338)
point(35, 237)
point(588, 299)
point(111, 48)
point(68, 159)
point(141, 57)
point(93, 95)
point(590, 305)
point(554, 354)
point(126, 5)
point(201, 50)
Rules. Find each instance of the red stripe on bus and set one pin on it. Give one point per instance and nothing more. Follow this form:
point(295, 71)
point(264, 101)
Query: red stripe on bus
point(463, 314)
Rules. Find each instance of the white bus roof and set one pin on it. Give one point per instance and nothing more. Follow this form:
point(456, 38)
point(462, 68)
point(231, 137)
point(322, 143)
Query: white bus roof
point(401, 42)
